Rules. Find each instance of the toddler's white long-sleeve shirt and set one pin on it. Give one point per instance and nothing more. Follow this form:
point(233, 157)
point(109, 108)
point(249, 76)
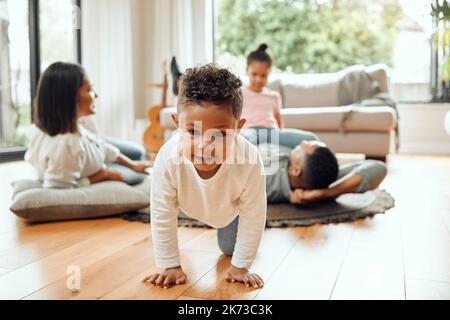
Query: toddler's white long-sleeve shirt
point(238, 188)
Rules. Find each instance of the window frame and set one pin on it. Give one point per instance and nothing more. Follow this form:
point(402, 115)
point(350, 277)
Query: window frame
point(14, 154)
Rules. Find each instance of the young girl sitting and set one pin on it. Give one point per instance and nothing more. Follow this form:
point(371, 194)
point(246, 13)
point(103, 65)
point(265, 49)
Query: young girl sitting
point(262, 106)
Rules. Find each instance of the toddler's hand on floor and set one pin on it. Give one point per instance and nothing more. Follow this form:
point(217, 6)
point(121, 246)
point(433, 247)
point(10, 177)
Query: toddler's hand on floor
point(235, 274)
point(167, 278)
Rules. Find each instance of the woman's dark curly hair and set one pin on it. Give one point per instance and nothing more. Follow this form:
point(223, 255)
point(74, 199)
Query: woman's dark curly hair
point(211, 84)
point(259, 55)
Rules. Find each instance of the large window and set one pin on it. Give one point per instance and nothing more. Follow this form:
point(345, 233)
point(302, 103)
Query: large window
point(15, 73)
point(33, 34)
point(312, 36)
point(58, 37)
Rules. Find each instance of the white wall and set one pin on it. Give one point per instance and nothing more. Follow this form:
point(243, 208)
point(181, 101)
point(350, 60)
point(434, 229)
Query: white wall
point(422, 129)
point(164, 28)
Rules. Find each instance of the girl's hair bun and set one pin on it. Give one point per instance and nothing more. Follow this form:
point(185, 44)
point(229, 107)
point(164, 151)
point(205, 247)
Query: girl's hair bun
point(262, 47)
point(260, 55)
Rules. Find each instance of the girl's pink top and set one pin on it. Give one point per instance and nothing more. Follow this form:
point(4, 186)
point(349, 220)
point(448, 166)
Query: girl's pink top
point(260, 107)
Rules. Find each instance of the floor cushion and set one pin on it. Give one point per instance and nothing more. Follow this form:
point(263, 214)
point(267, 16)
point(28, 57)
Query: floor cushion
point(34, 203)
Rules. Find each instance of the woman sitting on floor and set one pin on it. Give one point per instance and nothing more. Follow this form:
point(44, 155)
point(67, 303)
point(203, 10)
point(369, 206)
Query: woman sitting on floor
point(64, 153)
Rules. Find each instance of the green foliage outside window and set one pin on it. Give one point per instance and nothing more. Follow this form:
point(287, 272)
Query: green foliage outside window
point(306, 36)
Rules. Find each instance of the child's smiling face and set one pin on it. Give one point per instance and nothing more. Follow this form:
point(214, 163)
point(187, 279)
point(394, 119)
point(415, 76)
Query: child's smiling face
point(207, 133)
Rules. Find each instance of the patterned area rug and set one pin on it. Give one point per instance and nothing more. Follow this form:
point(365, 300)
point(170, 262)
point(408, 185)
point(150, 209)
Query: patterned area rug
point(347, 207)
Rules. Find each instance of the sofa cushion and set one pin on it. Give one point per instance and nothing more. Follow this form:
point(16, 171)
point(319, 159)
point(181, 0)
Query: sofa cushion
point(365, 119)
point(321, 89)
point(34, 203)
point(374, 144)
point(311, 90)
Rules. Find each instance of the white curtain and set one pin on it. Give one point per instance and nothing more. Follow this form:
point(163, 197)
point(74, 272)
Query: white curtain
point(107, 48)
point(124, 43)
point(181, 28)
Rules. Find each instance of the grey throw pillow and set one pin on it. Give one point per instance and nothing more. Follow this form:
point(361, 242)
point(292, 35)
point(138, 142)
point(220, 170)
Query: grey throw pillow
point(34, 203)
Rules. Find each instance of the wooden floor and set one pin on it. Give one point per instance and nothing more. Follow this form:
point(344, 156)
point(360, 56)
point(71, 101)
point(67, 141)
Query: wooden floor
point(404, 254)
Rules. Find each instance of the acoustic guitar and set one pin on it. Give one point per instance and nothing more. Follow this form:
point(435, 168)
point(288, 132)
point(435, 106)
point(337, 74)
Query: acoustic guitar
point(154, 134)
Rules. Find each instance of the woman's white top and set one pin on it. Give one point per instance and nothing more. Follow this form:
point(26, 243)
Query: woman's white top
point(88, 122)
point(67, 160)
point(238, 188)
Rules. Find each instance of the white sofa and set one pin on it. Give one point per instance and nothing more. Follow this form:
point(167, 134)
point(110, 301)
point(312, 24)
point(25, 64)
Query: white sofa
point(310, 102)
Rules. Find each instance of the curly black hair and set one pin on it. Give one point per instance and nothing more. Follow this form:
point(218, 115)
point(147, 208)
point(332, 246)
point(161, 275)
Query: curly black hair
point(211, 84)
point(321, 168)
point(260, 55)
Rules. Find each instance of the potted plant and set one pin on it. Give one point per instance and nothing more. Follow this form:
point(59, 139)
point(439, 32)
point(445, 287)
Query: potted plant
point(440, 12)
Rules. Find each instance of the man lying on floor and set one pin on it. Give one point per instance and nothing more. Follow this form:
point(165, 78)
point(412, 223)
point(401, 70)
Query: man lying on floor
point(310, 172)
